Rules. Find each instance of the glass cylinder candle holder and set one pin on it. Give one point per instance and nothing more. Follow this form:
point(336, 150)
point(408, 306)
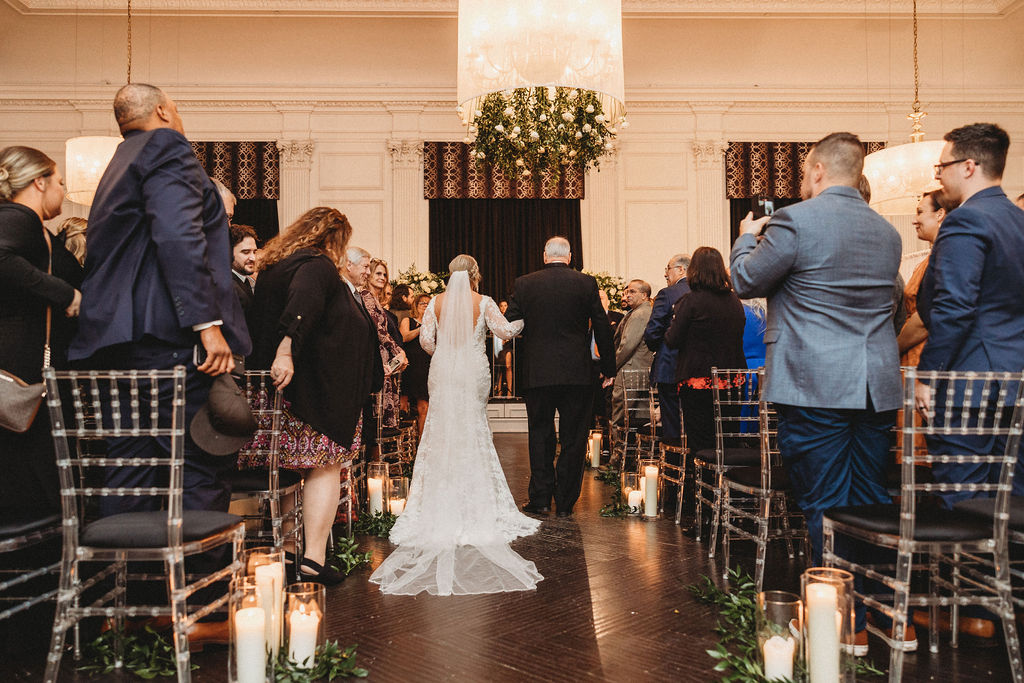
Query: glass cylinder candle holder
point(828, 624)
point(247, 659)
point(779, 632)
point(594, 445)
point(265, 565)
point(631, 493)
point(304, 622)
point(377, 485)
point(398, 495)
point(648, 471)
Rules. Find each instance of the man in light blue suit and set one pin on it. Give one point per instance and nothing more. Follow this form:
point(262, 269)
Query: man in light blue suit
point(828, 266)
point(970, 298)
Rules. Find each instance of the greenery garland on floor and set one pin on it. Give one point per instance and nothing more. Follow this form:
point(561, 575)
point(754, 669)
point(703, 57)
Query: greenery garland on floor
point(346, 555)
point(376, 524)
point(616, 506)
point(147, 654)
point(332, 661)
point(737, 651)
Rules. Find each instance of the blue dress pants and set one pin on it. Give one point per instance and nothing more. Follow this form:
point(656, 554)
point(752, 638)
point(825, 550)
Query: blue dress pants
point(835, 457)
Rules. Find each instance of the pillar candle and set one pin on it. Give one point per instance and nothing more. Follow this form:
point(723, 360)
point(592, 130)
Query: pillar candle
point(822, 633)
point(397, 506)
point(778, 658)
point(302, 631)
point(634, 499)
point(651, 491)
point(376, 488)
point(595, 450)
point(270, 582)
point(250, 655)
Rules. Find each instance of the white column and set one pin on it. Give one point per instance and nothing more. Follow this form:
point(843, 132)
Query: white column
point(603, 246)
point(711, 228)
point(296, 167)
point(407, 207)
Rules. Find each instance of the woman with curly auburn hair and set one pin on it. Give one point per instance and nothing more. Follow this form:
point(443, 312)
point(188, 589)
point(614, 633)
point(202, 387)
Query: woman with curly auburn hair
point(320, 347)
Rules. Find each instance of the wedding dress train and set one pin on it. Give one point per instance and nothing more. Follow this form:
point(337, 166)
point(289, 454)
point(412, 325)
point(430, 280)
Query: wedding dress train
point(453, 538)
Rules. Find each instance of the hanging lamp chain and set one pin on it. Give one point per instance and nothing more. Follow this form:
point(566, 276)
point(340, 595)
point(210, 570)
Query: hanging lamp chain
point(917, 131)
point(129, 43)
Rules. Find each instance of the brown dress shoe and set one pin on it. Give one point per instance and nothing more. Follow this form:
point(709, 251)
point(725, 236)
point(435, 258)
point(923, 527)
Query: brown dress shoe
point(205, 633)
point(969, 626)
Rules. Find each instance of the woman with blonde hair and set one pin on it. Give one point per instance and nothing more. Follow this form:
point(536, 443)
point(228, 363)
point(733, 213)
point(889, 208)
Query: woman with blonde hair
point(454, 535)
point(321, 351)
point(73, 232)
point(32, 300)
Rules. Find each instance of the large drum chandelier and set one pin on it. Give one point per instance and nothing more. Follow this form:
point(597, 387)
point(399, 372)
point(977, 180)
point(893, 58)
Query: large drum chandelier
point(900, 175)
point(540, 83)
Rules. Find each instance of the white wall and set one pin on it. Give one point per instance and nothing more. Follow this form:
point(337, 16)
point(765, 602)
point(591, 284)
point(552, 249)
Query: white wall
point(352, 98)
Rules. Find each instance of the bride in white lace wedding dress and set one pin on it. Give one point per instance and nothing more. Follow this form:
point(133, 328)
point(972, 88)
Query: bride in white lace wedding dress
point(453, 538)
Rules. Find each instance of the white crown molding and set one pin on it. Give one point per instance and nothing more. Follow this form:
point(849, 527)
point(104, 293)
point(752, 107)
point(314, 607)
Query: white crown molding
point(448, 8)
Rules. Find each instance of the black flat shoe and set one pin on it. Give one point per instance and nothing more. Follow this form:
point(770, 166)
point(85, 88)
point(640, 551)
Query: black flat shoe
point(536, 509)
point(311, 571)
point(563, 513)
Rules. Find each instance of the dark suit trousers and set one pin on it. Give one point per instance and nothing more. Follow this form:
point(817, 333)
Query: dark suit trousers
point(202, 487)
point(564, 479)
point(668, 400)
point(835, 458)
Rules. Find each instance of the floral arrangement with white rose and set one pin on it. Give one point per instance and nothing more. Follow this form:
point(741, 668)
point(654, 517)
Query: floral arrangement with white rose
point(527, 130)
point(422, 282)
point(613, 286)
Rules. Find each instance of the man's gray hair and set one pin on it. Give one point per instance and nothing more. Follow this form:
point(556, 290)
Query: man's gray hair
point(682, 260)
point(136, 101)
point(225, 193)
point(643, 286)
point(356, 254)
point(557, 247)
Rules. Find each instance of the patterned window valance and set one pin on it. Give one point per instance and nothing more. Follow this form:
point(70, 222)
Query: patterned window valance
point(769, 169)
point(251, 170)
point(450, 173)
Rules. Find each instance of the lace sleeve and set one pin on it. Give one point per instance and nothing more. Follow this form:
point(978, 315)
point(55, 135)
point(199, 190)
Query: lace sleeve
point(498, 325)
point(428, 329)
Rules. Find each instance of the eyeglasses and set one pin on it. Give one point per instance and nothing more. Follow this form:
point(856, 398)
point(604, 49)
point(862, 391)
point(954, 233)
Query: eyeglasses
point(938, 167)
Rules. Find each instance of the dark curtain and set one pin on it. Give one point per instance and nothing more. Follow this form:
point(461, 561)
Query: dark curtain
point(450, 172)
point(738, 208)
point(505, 236)
point(261, 214)
point(251, 170)
point(769, 169)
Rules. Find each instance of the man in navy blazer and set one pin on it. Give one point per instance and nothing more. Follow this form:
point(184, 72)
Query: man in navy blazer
point(663, 369)
point(970, 297)
point(158, 283)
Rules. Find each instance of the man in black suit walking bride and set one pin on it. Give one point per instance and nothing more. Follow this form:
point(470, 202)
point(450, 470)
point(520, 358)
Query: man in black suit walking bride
point(561, 309)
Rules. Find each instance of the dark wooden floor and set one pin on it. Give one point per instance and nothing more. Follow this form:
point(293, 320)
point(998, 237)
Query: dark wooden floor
point(613, 606)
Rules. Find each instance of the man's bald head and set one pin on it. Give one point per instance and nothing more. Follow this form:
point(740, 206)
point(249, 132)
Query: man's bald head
point(139, 106)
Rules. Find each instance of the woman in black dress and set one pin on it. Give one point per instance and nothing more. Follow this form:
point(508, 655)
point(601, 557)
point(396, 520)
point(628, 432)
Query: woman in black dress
point(707, 328)
point(31, 191)
point(321, 349)
point(415, 386)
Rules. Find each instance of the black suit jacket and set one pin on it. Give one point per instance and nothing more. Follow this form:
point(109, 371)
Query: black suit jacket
point(158, 257)
point(560, 307)
point(246, 297)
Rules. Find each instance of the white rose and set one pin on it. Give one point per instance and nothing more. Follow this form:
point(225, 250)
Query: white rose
point(467, 140)
point(543, 117)
point(590, 109)
point(561, 148)
point(573, 94)
point(500, 128)
point(579, 135)
point(509, 111)
point(566, 116)
point(540, 150)
point(534, 135)
point(572, 153)
point(478, 113)
point(625, 124)
point(520, 162)
point(516, 130)
point(599, 118)
point(480, 155)
point(586, 128)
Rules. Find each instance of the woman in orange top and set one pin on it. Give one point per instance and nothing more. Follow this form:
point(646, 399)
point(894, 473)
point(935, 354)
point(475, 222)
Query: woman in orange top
point(913, 335)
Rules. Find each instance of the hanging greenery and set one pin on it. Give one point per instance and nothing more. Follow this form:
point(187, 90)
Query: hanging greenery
point(527, 130)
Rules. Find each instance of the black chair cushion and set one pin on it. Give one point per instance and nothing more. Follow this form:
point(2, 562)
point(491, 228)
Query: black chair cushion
point(18, 522)
point(256, 480)
point(733, 457)
point(149, 529)
point(750, 477)
point(933, 524)
point(982, 509)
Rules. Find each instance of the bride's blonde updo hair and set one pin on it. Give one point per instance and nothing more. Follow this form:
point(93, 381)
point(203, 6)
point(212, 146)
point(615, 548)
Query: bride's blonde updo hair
point(467, 263)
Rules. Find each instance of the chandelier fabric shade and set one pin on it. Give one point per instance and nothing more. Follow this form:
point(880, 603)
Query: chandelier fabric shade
point(568, 43)
point(899, 175)
point(85, 160)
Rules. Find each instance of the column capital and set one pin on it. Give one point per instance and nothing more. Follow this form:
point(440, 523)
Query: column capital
point(296, 153)
point(406, 153)
point(709, 153)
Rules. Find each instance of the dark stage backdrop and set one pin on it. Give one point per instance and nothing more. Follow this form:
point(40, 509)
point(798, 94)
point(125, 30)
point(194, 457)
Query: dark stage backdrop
point(261, 214)
point(505, 236)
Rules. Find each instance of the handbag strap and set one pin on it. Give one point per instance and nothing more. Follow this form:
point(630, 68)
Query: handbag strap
point(49, 309)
